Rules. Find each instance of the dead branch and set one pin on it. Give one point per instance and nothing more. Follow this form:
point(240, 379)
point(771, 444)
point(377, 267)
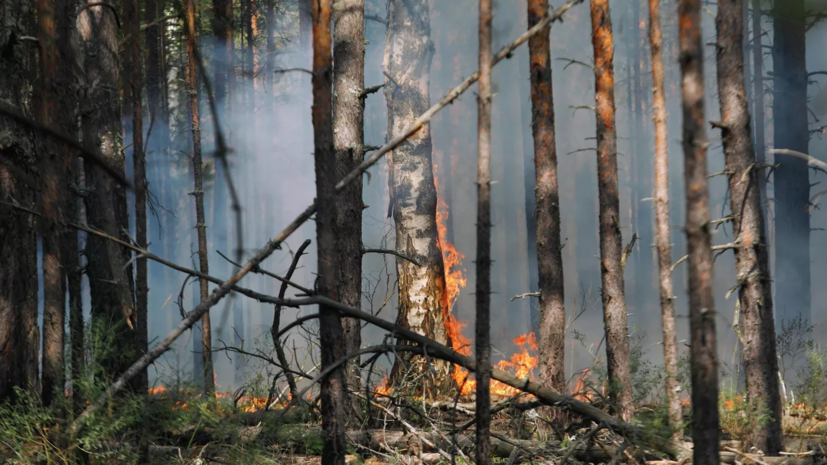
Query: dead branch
point(812, 162)
point(391, 252)
point(523, 296)
point(731, 245)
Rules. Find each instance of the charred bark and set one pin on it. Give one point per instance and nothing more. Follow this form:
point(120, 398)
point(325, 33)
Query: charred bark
point(552, 325)
point(19, 332)
point(198, 191)
point(110, 283)
point(330, 324)
point(663, 239)
point(483, 261)
point(791, 178)
point(751, 257)
point(407, 65)
point(704, 360)
point(614, 299)
point(348, 143)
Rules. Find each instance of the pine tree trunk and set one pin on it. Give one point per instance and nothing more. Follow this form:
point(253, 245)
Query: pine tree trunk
point(348, 142)
point(552, 327)
point(614, 299)
point(663, 239)
point(74, 276)
point(758, 103)
point(19, 333)
point(791, 178)
point(483, 262)
point(110, 283)
point(407, 64)
point(704, 361)
point(133, 107)
point(330, 324)
point(198, 192)
point(751, 258)
point(305, 24)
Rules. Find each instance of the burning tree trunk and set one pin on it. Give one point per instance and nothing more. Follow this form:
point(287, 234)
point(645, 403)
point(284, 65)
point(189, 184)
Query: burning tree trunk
point(792, 187)
point(483, 290)
point(751, 258)
point(701, 303)
point(330, 325)
point(614, 299)
point(110, 283)
point(132, 106)
point(552, 328)
point(198, 192)
point(663, 239)
point(56, 104)
point(407, 64)
point(19, 333)
point(348, 142)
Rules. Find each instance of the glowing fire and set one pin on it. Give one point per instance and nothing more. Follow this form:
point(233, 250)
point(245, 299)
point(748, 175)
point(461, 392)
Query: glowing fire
point(521, 364)
point(383, 389)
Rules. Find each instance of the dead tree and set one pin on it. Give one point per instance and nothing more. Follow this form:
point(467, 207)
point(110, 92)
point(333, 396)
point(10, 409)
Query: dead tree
point(791, 178)
point(752, 256)
point(663, 239)
point(611, 248)
point(222, 51)
point(552, 327)
point(133, 107)
point(407, 66)
point(349, 145)
point(483, 261)
point(110, 283)
point(330, 324)
point(198, 192)
point(758, 102)
point(701, 303)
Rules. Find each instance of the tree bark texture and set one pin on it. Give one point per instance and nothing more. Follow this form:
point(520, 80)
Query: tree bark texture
point(704, 360)
point(110, 283)
point(791, 178)
point(133, 107)
point(552, 328)
point(330, 324)
point(198, 192)
point(758, 102)
point(614, 299)
point(348, 143)
point(74, 275)
point(663, 239)
point(752, 257)
point(407, 65)
point(19, 332)
point(483, 262)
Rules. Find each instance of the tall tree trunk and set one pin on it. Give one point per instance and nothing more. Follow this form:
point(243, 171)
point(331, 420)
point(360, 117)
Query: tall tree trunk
point(110, 283)
point(792, 186)
point(19, 333)
point(222, 50)
point(56, 110)
point(330, 325)
point(663, 239)
point(483, 262)
point(74, 275)
point(552, 327)
point(348, 142)
point(751, 258)
point(701, 303)
point(614, 299)
point(758, 103)
point(305, 24)
point(198, 192)
point(407, 64)
point(133, 106)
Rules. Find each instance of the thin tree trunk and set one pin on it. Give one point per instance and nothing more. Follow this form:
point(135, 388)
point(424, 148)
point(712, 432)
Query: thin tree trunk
point(71, 258)
point(791, 178)
point(407, 64)
point(330, 324)
point(483, 261)
point(133, 106)
point(704, 361)
point(198, 192)
point(222, 49)
point(56, 110)
point(110, 283)
point(663, 239)
point(19, 333)
point(552, 327)
point(348, 142)
point(751, 258)
point(758, 103)
point(305, 24)
point(614, 299)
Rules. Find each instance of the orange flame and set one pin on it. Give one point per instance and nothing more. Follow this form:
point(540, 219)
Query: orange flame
point(383, 389)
